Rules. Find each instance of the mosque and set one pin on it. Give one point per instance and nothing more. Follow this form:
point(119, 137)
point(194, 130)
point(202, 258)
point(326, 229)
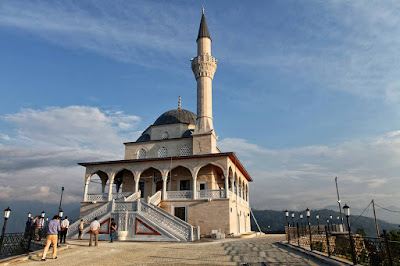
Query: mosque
point(174, 184)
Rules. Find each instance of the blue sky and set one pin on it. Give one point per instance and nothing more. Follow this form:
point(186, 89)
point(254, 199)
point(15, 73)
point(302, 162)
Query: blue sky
point(303, 91)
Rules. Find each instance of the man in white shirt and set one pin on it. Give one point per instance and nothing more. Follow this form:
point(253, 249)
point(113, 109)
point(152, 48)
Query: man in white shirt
point(94, 231)
point(64, 229)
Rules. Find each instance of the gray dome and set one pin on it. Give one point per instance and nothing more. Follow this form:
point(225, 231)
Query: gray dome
point(176, 116)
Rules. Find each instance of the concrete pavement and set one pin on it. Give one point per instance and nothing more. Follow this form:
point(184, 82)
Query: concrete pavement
point(213, 252)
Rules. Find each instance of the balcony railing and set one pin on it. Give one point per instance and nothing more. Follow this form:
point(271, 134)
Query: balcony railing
point(104, 196)
point(178, 195)
point(211, 194)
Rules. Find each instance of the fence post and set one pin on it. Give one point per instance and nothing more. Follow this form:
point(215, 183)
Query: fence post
point(388, 248)
point(298, 234)
point(327, 241)
point(309, 228)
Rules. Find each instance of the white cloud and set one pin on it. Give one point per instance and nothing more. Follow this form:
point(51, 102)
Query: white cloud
point(299, 177)
point(48, 143)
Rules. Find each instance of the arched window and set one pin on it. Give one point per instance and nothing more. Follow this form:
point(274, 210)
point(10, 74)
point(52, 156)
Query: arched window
point(165, 135)
point(185, 151)
point(162, 152)
point(141, 154)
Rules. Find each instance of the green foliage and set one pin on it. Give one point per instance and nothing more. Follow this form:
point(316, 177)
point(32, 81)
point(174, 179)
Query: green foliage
point(394, 235)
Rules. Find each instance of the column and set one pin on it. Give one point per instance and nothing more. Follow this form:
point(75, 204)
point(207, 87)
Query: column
point(85, 191)
point(164, 187)
point(111, 183)
point(137, 179)
point(195, 186)
point(226, 186)
point(232, 184)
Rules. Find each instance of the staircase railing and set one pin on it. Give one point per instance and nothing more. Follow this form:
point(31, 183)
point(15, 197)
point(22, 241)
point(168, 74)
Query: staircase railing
point(106, 208)
point(133, 196)
point(165, 220)
point(155, 199)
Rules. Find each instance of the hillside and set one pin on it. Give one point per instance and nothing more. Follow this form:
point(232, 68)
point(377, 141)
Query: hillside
point(276, 221)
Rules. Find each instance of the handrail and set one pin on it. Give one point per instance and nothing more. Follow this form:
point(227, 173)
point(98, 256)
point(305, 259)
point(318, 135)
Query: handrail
point(133, 196)
point(73, 228)
point(180, 229)
point(155, 199)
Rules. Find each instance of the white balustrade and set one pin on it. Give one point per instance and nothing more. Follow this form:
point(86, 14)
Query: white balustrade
point(177, 227)
point(133, 196)
point(179, 195)
point(97, 197)
point(155, 199)
point(124, 206)
point(211, 194)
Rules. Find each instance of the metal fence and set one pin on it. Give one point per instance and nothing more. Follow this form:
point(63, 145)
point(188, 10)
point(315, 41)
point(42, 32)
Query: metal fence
point(12, 244)
point(367, 250)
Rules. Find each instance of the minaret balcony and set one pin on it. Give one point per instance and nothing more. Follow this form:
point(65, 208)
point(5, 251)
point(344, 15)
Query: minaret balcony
point(204, 66)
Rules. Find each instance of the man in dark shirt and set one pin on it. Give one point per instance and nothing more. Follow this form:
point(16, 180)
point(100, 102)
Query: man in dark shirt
point(113, 228)
point(52, 232)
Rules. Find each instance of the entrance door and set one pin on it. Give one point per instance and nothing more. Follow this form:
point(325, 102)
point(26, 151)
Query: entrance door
point(180, 212)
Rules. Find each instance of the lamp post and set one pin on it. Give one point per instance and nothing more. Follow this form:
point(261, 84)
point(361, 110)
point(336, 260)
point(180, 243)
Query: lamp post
point(293, 218)
point(301, 219)
point(327, 223)
point(6, 216)
point(308, 212)
point(287, 218)
point(317, 216)
point(330, 217)
point(60, 213)
point(346, 210)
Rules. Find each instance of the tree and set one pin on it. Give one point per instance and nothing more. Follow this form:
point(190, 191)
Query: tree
point(360, 231)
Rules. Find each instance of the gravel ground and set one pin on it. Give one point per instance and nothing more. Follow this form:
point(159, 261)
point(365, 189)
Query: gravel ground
point(218, 252)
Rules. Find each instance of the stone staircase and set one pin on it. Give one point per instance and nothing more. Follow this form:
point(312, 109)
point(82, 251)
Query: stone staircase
point(138, 220)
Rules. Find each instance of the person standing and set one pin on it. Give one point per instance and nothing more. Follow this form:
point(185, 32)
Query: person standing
point(113, 228)
point(94, 231)
point(64, 229)
point(80, 229)
point(52, 232)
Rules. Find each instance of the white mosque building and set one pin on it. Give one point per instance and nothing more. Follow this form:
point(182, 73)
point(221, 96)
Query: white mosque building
point(174, 184)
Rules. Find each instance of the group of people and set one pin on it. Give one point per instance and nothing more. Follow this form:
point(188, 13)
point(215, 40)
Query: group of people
point(56, 229)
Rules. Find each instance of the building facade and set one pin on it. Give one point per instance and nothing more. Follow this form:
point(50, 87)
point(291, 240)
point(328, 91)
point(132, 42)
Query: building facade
point(174, 183)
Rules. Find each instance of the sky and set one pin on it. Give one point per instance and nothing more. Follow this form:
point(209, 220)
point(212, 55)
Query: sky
point(304, 91)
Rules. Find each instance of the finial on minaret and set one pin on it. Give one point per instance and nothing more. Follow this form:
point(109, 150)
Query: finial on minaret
point(179, 103)
point(203, 9)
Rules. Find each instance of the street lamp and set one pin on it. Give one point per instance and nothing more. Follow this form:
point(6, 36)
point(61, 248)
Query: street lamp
point(308, 212)
point(6, 216)
point(287, 217)
point(60, 213)
point(301, 217)
point(346, 210)
point(293, 218)
point(317, 216)
point(327, 222)
point(330, 217)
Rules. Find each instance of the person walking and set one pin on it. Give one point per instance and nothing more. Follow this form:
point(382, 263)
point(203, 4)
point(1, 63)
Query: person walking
point(94, 231)
point(113, 228)
point(52, 232)
point(64, 229)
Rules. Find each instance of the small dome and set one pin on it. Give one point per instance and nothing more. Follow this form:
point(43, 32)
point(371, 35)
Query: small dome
point(176, 116)
point(143, 138)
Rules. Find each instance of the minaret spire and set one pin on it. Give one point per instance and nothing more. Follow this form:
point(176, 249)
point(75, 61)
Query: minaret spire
point(179, 103)
point(204, 66)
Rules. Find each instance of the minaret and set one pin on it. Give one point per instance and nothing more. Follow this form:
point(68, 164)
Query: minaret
point(204, 66)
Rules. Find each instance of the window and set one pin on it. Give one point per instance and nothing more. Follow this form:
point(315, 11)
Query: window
point(203, 186)
point(180, 212)
point(165, 135)
point(185, 151)
point(184, 185)
point(162, 152)
point(142, 154)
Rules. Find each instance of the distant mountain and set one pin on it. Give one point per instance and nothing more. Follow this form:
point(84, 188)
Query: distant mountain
point(275, 221)
point(391, 217)
point(20, 209)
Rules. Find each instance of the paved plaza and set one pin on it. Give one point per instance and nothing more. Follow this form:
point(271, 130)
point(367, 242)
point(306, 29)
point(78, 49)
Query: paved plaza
point(218, 252)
